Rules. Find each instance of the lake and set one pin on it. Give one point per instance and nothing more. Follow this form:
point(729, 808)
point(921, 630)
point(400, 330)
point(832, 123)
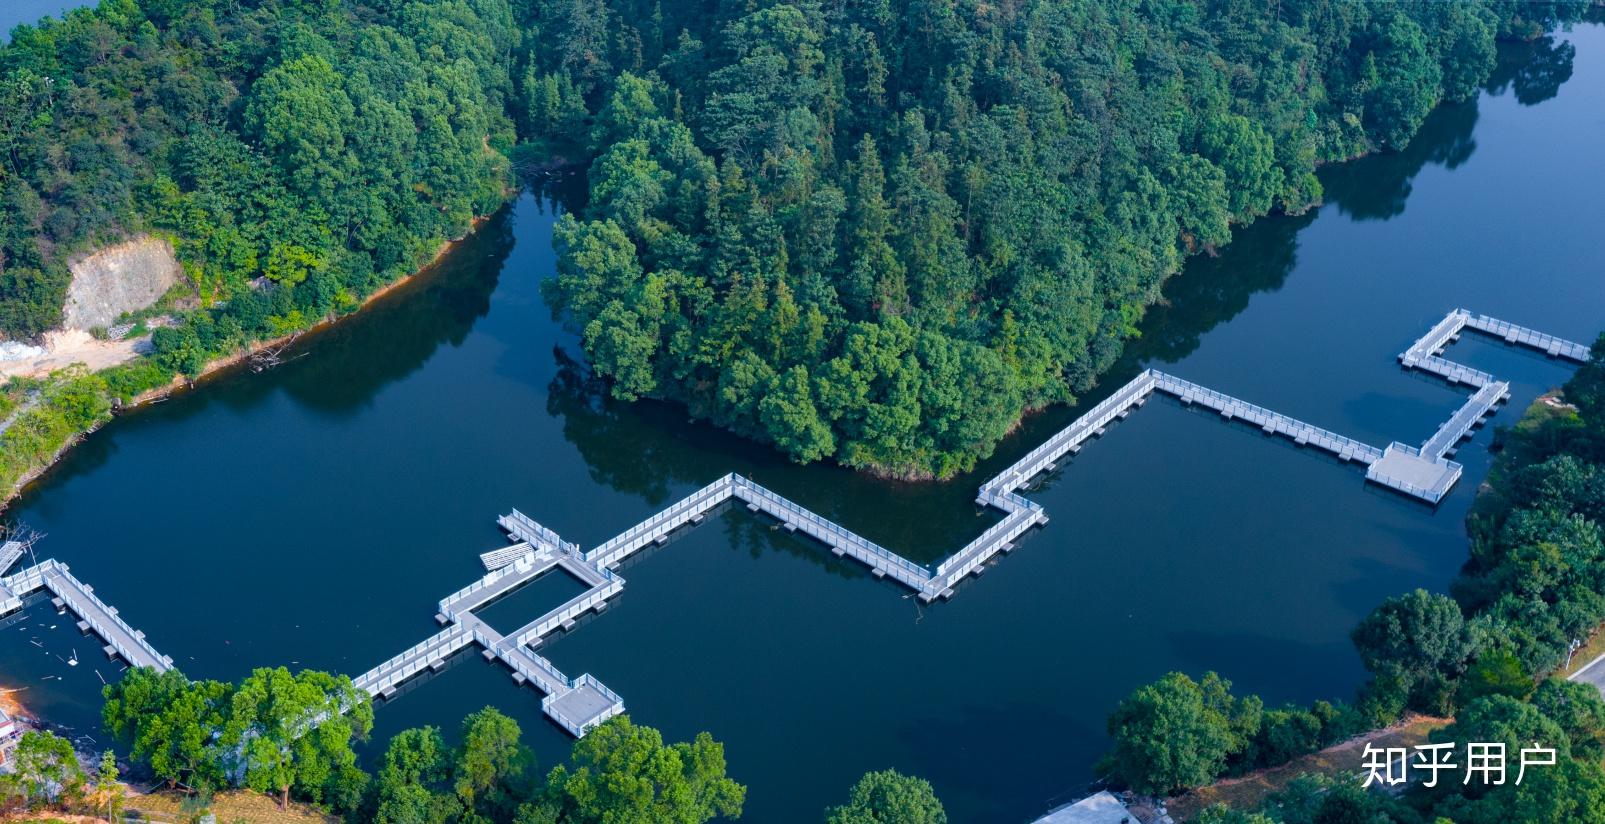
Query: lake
point(313, 515)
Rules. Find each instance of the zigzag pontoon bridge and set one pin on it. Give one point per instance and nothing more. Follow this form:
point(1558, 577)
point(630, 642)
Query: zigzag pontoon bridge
point(577, 705)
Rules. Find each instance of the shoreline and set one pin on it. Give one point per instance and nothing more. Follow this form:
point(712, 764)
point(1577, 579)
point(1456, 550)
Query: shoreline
point(221, 367)
point(217, 367)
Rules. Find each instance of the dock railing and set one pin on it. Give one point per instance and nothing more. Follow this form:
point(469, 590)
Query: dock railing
point(578, 605)
point(1326, 438)
point(522, 526)
point(849, 540)
point(1529, 337)
point(71, 590)
point(413, 660)
point(448, 604)
point(1033, 463)
point(621, 546)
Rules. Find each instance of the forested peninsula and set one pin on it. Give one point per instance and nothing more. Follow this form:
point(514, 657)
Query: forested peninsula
point(872, 232)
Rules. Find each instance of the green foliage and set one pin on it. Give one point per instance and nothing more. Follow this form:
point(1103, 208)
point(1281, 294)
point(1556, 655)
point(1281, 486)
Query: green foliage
point(625, 774)
point(618, 773)
point(1495, 672)
point(273, 732)
point(416, 761)
point(1579, 711)
point(169, 723)
point(889, 797)
point(1177, 733)
point(295, 731)
point(43, 770)
point(490, 765)
point(47, 418)
point(285, 734)
point(322, 146)
point(1417, 645)
point(967, 212)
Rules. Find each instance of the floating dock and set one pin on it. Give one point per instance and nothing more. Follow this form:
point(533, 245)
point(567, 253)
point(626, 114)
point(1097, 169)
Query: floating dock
point(94, 615)
point(579, 704)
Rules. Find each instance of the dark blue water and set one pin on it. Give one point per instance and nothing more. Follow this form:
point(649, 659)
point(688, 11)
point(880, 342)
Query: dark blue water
point(314, 514)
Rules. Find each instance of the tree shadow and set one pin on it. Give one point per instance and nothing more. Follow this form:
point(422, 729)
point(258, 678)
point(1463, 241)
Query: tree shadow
point(1376, 187)
point(1534, 70)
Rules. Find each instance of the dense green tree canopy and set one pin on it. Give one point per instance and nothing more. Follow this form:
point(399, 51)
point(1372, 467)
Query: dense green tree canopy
point(878, 233)
point(1420, 643)
point(1177, 733)
point(326, 147)
point(625, 774)
point(889, 797)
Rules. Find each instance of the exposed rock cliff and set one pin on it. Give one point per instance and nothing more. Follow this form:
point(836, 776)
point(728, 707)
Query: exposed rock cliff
point(123, 278)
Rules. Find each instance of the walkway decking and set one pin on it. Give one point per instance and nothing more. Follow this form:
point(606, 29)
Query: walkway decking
point(94, 614)
point(525, 528)
point(1425, 353)
point(9, 554)
point(1511, 333)
point(575, 704)
point(1274, 423)
point(579, 704)
point(1467, 417)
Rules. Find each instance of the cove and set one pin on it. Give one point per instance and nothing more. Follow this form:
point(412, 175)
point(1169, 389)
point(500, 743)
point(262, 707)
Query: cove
point(312, 515)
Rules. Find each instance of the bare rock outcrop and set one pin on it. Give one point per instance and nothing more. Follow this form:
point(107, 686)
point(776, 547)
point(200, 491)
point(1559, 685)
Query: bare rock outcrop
point(123, 278)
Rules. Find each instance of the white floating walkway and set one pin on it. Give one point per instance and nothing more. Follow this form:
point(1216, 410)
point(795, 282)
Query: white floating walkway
point(1466, 418)
point(575, 704)
point(1274, 423)
point(579, 704)
point(94, 614)
point(526, 529)
point(9, 554)
point(431, 654)
point(1511, 333)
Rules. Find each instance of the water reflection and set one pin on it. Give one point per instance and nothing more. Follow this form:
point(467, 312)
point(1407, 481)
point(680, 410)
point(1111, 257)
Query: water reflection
point(1213, 290)
point(652, 448)
point(400, 332)
point(1535, 70)
point(1376, 187)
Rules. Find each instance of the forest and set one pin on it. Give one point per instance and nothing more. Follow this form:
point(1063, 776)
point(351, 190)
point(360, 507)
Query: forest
point(879, 233)
point(1489, 656)
point(869, 232)
point(298, 155)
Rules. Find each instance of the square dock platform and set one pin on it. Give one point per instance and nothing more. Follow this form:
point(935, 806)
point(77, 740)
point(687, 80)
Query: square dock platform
point(583, 706)
point(1401, 468)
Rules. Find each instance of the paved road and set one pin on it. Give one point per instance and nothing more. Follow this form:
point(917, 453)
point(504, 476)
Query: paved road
point(1594, 673)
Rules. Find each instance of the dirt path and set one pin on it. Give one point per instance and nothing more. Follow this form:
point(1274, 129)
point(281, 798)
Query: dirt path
point(1344, 758)
point(65, 348)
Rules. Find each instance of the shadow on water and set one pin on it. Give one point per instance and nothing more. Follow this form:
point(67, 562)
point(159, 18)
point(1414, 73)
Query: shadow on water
point(340, 369)
point(1214, 289)
point(1533, 70)
point(1376, 187)
point(1256, 571)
